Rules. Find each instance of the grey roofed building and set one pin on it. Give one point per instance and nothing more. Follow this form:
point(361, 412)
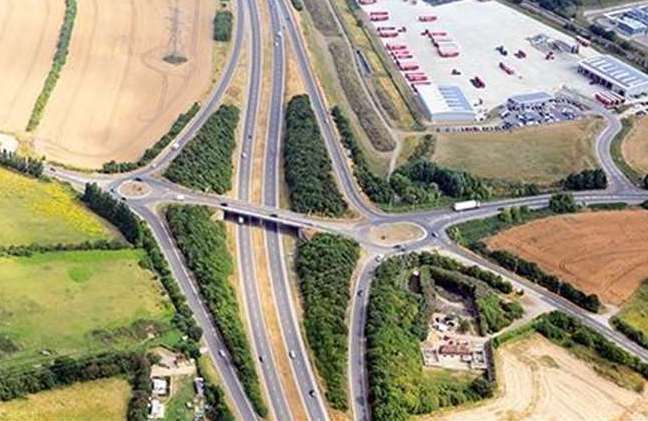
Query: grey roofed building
point(615, 75)
point(529, 100)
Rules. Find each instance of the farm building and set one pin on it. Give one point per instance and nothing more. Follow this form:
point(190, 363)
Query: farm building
point(615, 75)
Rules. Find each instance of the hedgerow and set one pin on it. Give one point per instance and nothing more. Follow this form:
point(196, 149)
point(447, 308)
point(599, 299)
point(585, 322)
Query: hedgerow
point(60, 57)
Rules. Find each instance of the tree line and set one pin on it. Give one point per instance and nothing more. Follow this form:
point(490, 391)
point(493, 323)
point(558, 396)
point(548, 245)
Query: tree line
point(205, 163)
point(586, 180)
point(60, 57)
point(324, 266)
point(566, 330)
point(65, 371)
point(28, 166)
point(203, 244)
point(223, 22)
point(396, 324)
point(418, 182)
point(307, 165)
point(630, 331)
point(31, 249)
point(532, 272)
point(152, 152)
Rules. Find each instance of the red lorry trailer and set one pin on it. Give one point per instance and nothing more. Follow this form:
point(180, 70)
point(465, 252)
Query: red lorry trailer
point(506, 68)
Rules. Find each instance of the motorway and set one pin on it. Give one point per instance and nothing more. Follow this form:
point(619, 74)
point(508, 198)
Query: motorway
point(433, 222)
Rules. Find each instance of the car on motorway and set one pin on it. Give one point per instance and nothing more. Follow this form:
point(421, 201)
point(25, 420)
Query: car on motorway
point(222, 353)
point(311, 393)
point(292, 354)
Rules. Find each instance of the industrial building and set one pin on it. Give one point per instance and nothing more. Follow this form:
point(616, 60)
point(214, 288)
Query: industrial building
point(615, 75)
point(445, 103)
point(534, 99)
point(632, 21)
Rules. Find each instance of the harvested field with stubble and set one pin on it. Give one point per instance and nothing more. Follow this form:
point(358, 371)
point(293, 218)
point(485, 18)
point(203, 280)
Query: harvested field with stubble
point(605, 253)
point(117, 95)
point(541, 155)
point(540, 380)
point(29, 31)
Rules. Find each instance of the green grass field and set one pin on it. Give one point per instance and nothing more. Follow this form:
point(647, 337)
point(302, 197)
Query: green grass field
point(635, 312)
point(33, 211)
point(541, 155)
point(99, 400)
point(70, 303)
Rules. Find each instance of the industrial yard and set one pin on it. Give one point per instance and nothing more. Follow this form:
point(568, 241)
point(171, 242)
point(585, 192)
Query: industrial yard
point(467, 57)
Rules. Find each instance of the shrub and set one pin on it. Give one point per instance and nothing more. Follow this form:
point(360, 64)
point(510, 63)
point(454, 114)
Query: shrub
point(563, 203)
point(223, 26)
point(586, 180)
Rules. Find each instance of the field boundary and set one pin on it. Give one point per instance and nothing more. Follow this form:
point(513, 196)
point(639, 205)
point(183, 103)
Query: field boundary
point(60, 57)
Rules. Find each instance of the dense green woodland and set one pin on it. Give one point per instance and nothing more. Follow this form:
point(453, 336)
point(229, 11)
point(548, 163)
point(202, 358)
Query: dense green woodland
point(205, 163)
point(203, 243)
point(324, 267)
point(397, 322)
point(307, 165)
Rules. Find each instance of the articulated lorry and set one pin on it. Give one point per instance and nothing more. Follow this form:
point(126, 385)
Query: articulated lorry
point(466, 205)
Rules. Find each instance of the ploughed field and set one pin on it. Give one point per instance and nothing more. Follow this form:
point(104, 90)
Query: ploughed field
point(540, 380)
point(29, 31)
point(116, 95)
point(605, 253)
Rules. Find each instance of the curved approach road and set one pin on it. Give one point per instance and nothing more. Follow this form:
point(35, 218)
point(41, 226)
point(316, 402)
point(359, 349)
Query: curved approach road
point(433, 222)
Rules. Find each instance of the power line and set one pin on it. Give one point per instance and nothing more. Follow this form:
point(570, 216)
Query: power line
point(174, 46)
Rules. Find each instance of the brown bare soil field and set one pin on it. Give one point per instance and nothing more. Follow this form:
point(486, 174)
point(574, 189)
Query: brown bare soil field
point(542, 381)
point(29, 31)
point(605, 253)
point(117, 95)
point(635, 146)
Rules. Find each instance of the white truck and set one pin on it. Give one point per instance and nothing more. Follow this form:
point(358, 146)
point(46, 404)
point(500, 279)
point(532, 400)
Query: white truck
point(466, 205)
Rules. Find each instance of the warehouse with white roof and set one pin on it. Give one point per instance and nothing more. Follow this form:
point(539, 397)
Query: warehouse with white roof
point(615, 75)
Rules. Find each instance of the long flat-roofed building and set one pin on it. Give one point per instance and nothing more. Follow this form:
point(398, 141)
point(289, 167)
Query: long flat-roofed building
point(615, 75)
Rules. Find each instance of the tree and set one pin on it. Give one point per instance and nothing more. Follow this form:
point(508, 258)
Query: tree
point(563, 203)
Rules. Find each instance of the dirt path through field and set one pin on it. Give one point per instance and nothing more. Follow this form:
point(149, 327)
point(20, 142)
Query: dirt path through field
point(117, 95)
point(541, 381)
point(29, 31)
point(605, 253)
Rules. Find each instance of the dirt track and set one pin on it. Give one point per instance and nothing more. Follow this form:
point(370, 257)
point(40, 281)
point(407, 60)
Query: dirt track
point(116, 95)
point(605, 253)
point(542, 381)
point(28, 34)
